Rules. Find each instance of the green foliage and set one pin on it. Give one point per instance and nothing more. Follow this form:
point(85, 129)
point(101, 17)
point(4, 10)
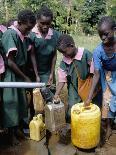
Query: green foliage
point(60, 11)
point(9, 9)
point(91, 13)
point(111, 8)
point(72, 16)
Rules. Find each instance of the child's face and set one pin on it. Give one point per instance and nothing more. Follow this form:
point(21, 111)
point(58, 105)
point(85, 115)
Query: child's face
point(44, 23)
point(106, 33)
point(25, 28)
point(68, 52)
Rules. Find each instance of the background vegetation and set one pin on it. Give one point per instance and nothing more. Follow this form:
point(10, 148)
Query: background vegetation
point(70, 16)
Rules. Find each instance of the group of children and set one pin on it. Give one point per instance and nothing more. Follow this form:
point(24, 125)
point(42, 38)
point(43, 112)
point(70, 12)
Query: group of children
point(29, 49)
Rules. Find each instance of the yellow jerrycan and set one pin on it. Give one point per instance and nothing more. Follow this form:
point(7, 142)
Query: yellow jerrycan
point(38, 100)
point(37, 128)
point(85, 126)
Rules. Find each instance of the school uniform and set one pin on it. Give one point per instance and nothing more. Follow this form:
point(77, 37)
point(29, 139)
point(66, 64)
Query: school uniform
point(45, 49)
point(14, 100)
point(68, 74)
point(2, 67)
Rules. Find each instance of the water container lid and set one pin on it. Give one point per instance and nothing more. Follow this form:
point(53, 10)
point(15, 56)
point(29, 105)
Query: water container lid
point(79, 108)
point(34, 118)
point(39, 116)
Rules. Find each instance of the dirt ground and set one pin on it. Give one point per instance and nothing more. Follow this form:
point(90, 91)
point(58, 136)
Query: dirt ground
point(29, 147)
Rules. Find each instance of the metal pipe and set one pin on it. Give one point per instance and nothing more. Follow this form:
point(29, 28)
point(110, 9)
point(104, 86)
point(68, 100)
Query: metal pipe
point(21, 85)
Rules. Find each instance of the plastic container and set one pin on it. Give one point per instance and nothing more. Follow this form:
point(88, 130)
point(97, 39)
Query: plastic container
point(54, 116)
point(85, 126)
point(37, 128)
point(38, 100)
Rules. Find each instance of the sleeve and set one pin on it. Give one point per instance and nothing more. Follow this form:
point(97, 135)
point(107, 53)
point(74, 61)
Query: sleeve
point(97, 59)
point(1, 38)
point(9, 42)
point(2, 68)
point(89, 57)
point(32, 37)
point(62, 75)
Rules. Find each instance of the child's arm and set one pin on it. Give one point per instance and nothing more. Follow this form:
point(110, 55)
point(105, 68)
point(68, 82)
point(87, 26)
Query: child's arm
point(61, 82)
point(15, 68)
point(96, 77)
point(33, 59)
point(50, 81)
point(95, 81)
point(59, 87)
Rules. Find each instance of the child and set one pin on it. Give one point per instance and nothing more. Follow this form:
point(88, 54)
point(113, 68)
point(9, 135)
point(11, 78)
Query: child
point(45, 40)
point(2, 68)
point(12, 22)
point(105, 69)
point(74, 57)
point(16, 44)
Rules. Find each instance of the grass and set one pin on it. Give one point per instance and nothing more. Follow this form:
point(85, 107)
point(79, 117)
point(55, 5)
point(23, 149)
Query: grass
point(88, 42)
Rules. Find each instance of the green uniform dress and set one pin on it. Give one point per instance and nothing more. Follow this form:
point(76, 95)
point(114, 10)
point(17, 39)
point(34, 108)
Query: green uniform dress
point(67, 73)
point(14, 99)
point(2, 68)
point(45, 49)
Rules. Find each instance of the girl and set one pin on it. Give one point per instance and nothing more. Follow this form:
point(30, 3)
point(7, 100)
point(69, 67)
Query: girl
point(75, 60)
point(105, 69)
point(45, 40)
point(2, 68)
point(16, 44)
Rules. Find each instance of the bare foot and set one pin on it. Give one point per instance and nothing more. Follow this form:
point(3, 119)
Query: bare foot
point(20, 134)
point(108, 133)
point(99, 151)
point(15, 141)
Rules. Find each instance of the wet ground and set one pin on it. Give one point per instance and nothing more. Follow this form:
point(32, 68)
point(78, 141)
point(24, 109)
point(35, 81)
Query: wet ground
point(29, 147)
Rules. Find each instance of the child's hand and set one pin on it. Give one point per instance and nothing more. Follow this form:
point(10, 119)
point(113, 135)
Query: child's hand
point(87, 103)
point(56, 98)
point(50, 81)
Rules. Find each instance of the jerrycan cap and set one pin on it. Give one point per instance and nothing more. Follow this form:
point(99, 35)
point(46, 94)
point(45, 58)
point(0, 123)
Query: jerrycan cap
point(34, 118)
point(88, 109)
point(39, 116)
point(81, 109)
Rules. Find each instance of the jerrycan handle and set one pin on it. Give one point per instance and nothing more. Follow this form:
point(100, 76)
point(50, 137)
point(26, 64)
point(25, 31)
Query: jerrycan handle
point(87, 107)
point(56, 101)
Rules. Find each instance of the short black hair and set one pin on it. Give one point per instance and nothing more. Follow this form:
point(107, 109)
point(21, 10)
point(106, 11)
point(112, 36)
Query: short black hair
point(11, 22)
point(26, 16)
point(64, 41)
point(45, 11)
point(107, 20)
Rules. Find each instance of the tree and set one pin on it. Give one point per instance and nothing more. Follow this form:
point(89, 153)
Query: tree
point(111, 8)
point(9, 9)
point(56, 6)
point(91, 13)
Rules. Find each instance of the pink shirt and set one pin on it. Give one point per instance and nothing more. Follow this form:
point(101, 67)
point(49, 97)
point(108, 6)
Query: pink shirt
point(3, 28)
point(62, 74)
point(38, 34)
point(22, 37)
point(2, 68)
